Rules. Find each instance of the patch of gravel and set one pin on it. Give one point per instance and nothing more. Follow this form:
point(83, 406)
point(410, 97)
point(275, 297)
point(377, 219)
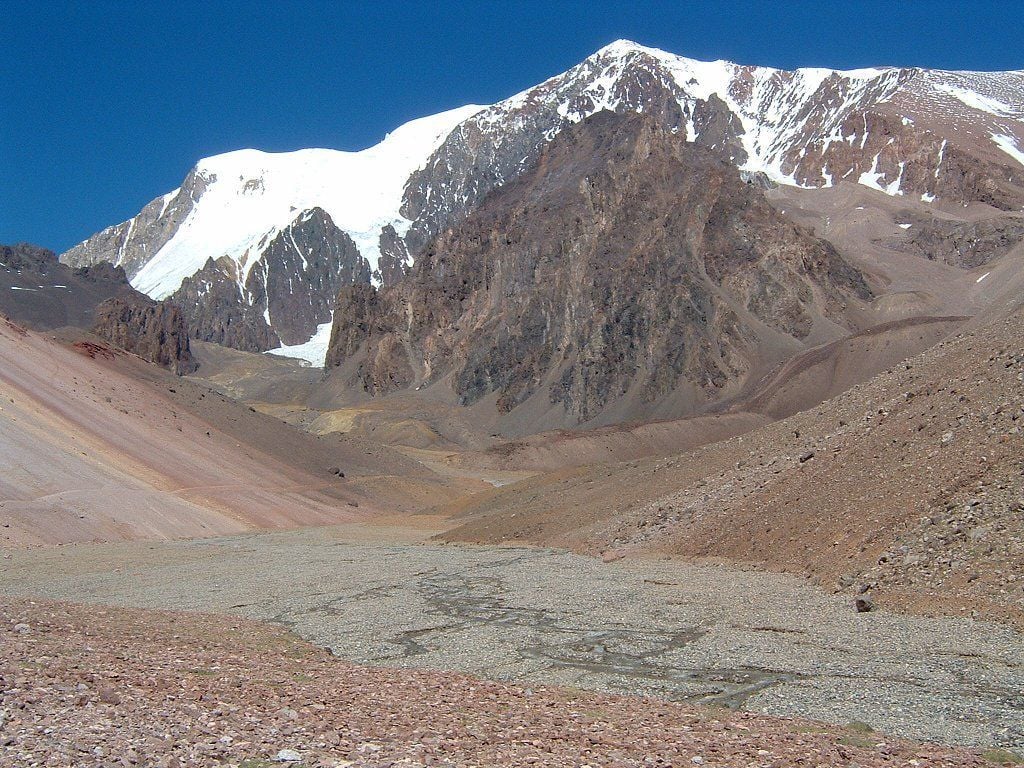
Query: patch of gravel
point(712, 635)
point(88, 686)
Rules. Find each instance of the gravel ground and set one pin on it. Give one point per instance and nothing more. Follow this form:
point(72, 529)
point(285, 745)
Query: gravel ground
point(761, 642)
point(87, 686)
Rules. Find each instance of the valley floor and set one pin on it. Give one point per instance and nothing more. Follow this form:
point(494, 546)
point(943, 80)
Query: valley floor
point(104, 687)
point(701, 635)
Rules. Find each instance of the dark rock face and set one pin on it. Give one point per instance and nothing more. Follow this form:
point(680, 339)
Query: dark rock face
point(494, 147)
point(155, 331)
point(133, 243)
point(627, 263)
point(963, 244)
point(301, 272)
point(43, 293)
point(285, 295)
point(394, 257)
point(218, 312)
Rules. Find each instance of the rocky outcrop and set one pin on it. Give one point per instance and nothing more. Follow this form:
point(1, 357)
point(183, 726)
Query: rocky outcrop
point(133, 243)
point(217, 310)
point(283, 297)
point(155, 331)
point(41, 292)
point(963, 244)
point(884, 150)
point(394, 257)
point(628, 265)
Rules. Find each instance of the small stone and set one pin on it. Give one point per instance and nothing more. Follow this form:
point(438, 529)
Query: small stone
point(22, 628)
point(109, 696)
point(864, 604)
point(807, 456)
point(287, 756)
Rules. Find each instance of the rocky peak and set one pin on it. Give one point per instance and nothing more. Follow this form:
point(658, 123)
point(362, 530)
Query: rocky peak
point(895, 130)
point(628, 268)
point(155, 331)
point(283, 296)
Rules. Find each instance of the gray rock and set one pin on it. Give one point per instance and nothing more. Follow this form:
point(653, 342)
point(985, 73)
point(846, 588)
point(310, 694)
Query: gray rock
point(864, 604)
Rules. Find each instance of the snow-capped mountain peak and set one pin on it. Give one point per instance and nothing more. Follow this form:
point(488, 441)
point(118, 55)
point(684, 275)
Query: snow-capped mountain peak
point(248, 195)
point(248, 230)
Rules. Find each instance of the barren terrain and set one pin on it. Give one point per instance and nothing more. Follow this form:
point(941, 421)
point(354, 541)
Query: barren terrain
point(705, 635)
point(907, 487)
point(102, 687)
point(98, 446)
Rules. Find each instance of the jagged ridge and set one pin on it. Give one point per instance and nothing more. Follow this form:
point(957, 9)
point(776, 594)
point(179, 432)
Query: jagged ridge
point(936, 136)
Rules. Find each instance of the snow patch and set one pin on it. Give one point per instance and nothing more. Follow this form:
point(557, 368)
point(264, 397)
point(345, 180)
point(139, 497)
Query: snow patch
point(983, 277)
point(1009, 145)
point(975, 100)
point(872, 178)
point(313, 351)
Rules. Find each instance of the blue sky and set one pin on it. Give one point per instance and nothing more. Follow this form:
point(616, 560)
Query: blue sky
point(105, 105)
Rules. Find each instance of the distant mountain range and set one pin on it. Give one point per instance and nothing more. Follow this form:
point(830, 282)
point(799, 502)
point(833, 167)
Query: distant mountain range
point(256, 247)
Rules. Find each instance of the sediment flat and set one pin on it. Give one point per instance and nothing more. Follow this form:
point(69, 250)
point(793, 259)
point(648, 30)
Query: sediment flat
point(762, 642)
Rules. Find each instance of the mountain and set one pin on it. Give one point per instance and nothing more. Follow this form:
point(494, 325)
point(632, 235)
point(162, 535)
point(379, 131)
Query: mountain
point(952, 136)
point(233, 246)
point(907, 486)
point(628, 267)
point(38, 291)
point(252, 232)
point(42, 293)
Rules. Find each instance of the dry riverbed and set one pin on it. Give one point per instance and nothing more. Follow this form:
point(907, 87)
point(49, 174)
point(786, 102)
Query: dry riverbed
point(707, 635)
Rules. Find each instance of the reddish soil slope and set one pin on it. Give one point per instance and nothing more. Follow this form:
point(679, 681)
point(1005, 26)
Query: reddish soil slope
point(97, 445)
point(909, 486)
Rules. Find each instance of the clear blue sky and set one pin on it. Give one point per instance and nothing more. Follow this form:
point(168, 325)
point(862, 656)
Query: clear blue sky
point(105, 105)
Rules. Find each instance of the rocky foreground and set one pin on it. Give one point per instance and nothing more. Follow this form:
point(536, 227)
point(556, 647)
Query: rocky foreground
point(82, 685)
